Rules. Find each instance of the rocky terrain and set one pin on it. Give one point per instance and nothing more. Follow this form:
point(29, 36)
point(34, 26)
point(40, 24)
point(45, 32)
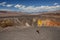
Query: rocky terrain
point(10, 18)
point(22, 26)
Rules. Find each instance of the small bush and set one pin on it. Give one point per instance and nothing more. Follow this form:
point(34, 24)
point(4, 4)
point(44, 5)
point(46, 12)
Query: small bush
point(6, 23)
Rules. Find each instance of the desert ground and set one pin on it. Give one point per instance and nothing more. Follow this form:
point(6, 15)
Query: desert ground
point(22, 26)
point(30, 33)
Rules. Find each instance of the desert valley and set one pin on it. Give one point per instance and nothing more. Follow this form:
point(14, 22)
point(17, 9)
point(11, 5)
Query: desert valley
point(11, 18)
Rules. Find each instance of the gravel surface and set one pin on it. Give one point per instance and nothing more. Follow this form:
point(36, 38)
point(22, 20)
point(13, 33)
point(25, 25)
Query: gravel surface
point(45, 33)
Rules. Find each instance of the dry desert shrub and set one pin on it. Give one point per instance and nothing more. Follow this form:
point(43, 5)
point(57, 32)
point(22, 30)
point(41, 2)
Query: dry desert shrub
point(6, 23)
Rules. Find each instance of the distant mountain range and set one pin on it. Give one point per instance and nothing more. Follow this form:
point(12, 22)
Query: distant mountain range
point(51, 13)
point(11, 13)
point(14, 13)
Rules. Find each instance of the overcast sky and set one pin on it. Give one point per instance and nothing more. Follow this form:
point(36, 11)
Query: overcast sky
point(30, 5)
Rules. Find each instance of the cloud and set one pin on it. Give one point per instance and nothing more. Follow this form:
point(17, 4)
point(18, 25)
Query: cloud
point(3, 3)
point(55, 3)
point(37, 8)
point(24, 8)
point(19, 6)
point(9, 5)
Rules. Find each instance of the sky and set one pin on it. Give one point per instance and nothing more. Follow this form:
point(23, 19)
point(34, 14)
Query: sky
point(30, 5)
